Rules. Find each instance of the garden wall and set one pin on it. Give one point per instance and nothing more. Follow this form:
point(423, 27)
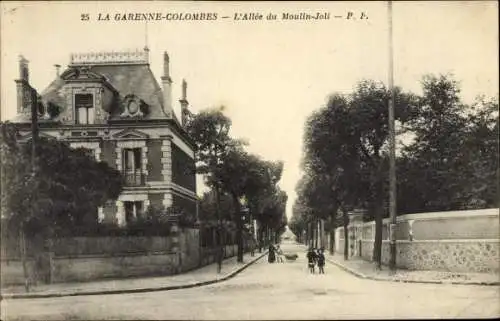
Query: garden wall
point(456, 241)
point(92, 258)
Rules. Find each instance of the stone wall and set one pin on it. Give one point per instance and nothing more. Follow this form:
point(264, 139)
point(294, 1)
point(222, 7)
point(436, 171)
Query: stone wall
point(93, 258)
point(189, 242)
point(110, 245)
point(458, 241)
point(87, 268)
point(12, 271)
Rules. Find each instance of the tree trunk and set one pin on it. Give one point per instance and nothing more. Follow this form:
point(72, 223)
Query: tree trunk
point(332, 234)
point(259, 238)
point(346, 233)
point(219, 231)
point(239, 228)
point(307, 235)
point(377, 246)
point(22, 247)
point(315, 229)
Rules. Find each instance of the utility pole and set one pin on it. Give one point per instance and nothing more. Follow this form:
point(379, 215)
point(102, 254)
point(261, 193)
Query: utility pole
point(34, 138)
point(392, 149)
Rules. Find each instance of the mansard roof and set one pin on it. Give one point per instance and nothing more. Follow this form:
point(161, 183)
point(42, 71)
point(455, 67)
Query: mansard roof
point(125, 73)
point(135, 79)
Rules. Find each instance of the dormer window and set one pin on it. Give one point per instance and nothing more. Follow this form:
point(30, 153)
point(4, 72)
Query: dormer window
point(84, 108)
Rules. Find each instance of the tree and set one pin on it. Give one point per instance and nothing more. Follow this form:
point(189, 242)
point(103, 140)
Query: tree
point(228, 168)
point(267, 203)
point(453, 161)
point(208, 206)
point(346, 145)
point(332, 164)
point(64, 191)
point(246, 175)
point(298, 221)
point(209, 129)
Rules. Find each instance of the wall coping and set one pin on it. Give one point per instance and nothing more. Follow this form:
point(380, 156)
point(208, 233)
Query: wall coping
point(489, 212)
point(441, 241)
point(108, 255)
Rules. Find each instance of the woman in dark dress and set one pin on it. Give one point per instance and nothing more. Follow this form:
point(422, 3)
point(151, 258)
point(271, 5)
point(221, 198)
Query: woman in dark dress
point(311, 259)
point(271, 257)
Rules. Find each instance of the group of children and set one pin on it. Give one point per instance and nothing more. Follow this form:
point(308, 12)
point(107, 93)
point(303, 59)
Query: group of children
point(275, 254)
point(316, 257)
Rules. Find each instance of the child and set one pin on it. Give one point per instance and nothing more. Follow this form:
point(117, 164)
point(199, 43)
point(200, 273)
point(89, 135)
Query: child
point(311, 260)
point(321, 261)
point(279, 254)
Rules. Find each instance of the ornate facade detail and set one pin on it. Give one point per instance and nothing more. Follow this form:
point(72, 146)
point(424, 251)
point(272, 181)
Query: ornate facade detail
point(130, 134)
point(81, 74)
point(28, 136)
point(114, 57)
point(134, 107)
point(120, 145)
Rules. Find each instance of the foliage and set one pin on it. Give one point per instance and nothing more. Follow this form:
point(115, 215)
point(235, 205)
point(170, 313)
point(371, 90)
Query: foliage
point(65, 187)
point(53, 110)
point(346, 152)
point(208, 207)
point(451, 164)
point(235, 174)
point(209, 129)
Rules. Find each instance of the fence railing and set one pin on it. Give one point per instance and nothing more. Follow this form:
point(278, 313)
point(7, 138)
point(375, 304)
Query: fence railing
point(134, 179)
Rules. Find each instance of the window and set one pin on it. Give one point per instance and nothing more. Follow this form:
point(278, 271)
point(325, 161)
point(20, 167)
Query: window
point(132, 166)
point(133, 210)
point(131, 160)
point(84, 107)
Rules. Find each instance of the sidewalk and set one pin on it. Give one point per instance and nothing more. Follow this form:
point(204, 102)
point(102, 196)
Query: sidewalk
point(199, 277)
point(368, 270)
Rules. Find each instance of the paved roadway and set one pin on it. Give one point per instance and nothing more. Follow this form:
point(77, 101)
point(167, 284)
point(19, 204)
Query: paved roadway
point(274, 291)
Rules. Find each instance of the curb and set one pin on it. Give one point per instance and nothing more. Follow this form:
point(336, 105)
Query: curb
point(139, 290)
point(374, 278)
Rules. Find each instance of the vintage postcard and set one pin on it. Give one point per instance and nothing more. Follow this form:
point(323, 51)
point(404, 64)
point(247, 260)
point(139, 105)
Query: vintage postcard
point(249, 160)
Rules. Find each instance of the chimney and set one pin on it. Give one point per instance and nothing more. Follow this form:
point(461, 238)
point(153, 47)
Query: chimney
point(58, 67)
point(23, 87)
point(167, 85)
point(184, 104)
point(23, 69)
point(146, 53)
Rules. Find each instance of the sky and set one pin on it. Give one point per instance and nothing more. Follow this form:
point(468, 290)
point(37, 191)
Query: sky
point(270, 75)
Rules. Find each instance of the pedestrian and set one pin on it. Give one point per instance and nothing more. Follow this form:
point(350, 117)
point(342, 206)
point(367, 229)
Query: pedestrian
point(271, 257)
point(321, 261)
point(252, 246)
point(311, 259)
point(279, 254)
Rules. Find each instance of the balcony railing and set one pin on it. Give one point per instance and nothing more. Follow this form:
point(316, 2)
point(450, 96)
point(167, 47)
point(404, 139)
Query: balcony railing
point(134, 179)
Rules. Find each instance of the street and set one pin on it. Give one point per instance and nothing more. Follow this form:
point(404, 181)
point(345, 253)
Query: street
point(274, 291)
